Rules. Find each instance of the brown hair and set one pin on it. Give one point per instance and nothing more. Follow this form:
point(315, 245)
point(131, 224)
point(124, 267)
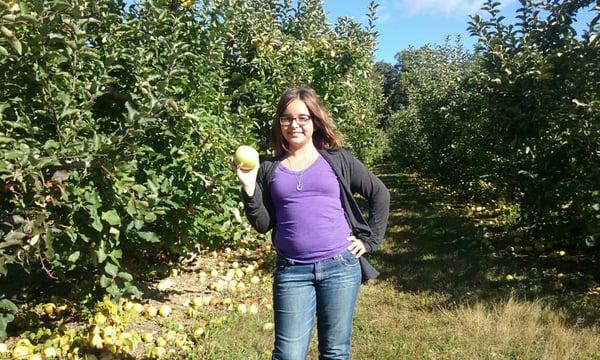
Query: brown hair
point(325, 135)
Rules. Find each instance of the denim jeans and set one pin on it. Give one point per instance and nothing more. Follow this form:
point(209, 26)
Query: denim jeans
point(327, 289)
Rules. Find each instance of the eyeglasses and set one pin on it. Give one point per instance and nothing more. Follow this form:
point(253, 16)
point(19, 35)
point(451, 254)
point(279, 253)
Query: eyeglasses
point(300, 120)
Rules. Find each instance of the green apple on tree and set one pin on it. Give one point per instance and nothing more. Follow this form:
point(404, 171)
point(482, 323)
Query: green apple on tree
point(246, 157)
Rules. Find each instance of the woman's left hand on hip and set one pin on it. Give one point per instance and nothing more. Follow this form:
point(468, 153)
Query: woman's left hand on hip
point(356, 246)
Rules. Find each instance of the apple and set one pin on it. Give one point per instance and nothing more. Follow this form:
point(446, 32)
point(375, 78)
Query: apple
point(128, 305)
point(197, 302)
point(246, 157)
point(158, 352)
point(148, 337)
point(165, 310)
point(20, 352)
point(160, 341)
point(170, 336)
point(199, 332)
point(109, 331)
point(97, 342)
point(99, 318)
point(242, 308)
point(509, 277)
point(268, 326)
point(151, 311)
point(253, 309)
point(138, 308)
point(249, 269)
point(49, 309)
point(50, 352)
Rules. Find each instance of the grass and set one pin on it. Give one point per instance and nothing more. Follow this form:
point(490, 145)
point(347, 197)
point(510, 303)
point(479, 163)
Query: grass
point(442, 294)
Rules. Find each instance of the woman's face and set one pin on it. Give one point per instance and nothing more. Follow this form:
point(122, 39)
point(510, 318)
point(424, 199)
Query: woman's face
point(296, 134)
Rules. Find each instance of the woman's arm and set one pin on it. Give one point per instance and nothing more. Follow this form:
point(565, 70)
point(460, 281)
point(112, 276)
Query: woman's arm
point(365, 183)
point(254, 204)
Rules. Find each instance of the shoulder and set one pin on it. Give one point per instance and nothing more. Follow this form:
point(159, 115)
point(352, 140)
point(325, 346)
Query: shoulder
point(267, 166)
point(341, 156)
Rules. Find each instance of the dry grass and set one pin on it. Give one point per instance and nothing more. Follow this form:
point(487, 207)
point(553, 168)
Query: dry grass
point(521, 329)
point(439, 297)
point(395, 325)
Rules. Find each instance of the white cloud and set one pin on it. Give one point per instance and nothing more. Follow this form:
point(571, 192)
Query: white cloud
point(447, 7)
point(384, 14)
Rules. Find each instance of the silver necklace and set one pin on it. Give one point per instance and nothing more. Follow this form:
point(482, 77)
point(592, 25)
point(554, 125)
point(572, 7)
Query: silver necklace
point(298, 174)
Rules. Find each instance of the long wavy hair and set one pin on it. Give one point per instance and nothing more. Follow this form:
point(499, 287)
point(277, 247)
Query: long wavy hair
point(325, 135)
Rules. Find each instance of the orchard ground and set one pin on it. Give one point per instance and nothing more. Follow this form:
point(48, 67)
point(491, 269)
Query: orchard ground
point(451, 288)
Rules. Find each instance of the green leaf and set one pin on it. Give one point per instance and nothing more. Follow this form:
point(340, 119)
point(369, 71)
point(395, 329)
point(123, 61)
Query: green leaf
point(97, 223)
point(125, 276)
point(131, 111)
point(139, 188)
point(13, 155)
point(153, 187)
point(105, 281)
point(111, 217)
point(150, 217)
point(5, 319)
point(101, 255)
point(74, 256)
point(116, 255)
point(111, 269)
point(6, 304)
point(16, 44)
point(131, 207)
point(149, 236)
point(67, 112)
point(24, 7)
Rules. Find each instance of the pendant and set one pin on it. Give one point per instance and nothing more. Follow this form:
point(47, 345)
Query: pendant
point(299, 187)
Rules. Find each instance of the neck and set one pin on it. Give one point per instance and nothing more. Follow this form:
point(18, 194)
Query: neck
point(305, 151)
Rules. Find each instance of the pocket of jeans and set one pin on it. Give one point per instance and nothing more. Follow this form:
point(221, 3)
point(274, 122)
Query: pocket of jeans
point(281, 265)
point(348, 259)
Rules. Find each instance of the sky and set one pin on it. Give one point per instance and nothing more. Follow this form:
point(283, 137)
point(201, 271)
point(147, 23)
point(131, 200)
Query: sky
point(404, 23)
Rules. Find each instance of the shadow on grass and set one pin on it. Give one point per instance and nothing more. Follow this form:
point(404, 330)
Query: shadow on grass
point(430, 248)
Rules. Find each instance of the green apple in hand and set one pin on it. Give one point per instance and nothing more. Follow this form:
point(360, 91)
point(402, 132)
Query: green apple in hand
point(246, 157)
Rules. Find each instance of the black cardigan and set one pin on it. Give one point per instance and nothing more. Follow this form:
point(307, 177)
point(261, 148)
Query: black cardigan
point(353, 177)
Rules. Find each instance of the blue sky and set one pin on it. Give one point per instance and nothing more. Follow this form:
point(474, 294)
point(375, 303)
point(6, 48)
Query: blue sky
point(404, 23)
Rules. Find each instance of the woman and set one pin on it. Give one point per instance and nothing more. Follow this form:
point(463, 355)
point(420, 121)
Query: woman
point(305, 195)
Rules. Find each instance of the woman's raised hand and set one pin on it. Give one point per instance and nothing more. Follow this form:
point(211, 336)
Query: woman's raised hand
point(247, 178)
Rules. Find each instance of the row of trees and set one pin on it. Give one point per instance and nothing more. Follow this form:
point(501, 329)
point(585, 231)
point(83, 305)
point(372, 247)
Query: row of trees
point(118, 124)
point(517, 119)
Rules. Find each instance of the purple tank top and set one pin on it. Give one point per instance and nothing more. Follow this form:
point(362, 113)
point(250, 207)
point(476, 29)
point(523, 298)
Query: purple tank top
point(311, 225)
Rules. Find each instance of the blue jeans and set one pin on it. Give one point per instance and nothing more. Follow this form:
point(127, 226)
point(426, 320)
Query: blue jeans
point(329, 289)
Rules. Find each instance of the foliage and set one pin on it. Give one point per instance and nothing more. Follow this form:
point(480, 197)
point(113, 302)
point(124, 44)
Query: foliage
point(117, 125)
point(517, 120)
point(392, 86)
point(290, 46)
point(7, 310)
point(543, 96)
point(439, 124)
